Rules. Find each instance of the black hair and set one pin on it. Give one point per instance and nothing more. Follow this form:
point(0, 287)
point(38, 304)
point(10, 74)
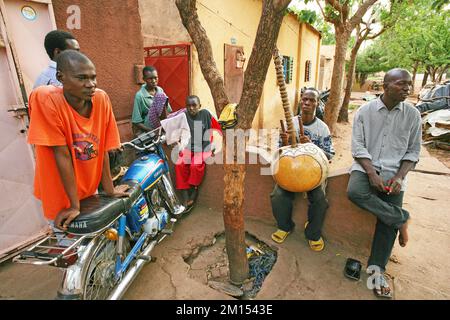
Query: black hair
point(311, 89)
point(193, 97)
point(56, 39)
point(148, 69)
point(64, 60)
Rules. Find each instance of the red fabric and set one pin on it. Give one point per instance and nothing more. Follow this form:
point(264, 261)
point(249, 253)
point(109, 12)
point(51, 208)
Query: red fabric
point(190, 169)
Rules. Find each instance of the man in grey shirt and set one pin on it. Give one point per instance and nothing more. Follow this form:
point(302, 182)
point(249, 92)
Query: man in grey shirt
point(386, 141)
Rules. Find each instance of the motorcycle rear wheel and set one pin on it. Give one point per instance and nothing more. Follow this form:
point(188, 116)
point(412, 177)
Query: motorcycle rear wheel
point(99, 280)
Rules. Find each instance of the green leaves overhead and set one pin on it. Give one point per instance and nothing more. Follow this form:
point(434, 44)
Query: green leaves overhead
point(420, 36)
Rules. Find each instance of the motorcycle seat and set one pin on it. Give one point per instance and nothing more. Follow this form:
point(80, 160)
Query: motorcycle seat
point(96, 212)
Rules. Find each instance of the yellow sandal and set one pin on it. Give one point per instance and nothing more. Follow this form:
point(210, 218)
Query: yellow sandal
point(279, 236)
point(316, 245)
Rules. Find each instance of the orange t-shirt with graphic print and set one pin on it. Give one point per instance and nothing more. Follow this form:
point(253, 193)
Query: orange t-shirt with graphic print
point(55, 123)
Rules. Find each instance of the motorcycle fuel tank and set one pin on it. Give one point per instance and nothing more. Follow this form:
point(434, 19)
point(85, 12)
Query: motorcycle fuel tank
point(146, 170)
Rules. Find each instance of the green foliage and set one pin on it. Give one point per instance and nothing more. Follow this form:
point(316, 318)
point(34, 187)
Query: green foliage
point(419, 36)
point(438, 4)
point(327, 30)
point(372, 60)
point(307, 16)
point(317, 21)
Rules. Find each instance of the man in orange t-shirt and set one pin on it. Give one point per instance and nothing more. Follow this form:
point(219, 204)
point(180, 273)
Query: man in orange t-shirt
point(72, 128)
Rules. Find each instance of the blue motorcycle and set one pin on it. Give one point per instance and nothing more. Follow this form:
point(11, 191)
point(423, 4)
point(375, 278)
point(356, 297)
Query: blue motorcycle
point(107, 245)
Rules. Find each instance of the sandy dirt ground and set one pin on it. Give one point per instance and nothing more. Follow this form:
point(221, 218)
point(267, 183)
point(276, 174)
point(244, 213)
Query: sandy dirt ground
point(419, 271)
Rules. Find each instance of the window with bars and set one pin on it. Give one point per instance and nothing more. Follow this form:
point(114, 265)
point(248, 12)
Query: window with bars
point(308, 70)
point(288, 68)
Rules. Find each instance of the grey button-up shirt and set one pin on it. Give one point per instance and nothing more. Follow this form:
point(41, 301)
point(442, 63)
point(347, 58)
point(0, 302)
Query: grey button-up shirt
point(386, 137)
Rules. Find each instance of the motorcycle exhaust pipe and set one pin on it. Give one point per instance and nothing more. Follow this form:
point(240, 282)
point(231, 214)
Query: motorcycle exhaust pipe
point(170, 196)
point(131, 275)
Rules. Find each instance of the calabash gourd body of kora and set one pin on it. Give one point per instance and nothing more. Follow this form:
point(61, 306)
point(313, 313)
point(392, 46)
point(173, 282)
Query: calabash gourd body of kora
point(301, 168)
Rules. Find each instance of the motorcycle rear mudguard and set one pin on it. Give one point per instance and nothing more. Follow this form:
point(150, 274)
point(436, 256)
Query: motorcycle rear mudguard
point(72, 285)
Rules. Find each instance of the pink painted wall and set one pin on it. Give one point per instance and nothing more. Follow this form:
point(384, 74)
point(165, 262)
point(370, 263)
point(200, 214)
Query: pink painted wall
point(110, 35)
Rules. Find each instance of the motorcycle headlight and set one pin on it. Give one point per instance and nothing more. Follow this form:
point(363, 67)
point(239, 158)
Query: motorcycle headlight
point(155, 197)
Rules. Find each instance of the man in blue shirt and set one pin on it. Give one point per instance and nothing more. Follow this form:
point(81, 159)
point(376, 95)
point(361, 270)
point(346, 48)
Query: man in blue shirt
point(55, 42)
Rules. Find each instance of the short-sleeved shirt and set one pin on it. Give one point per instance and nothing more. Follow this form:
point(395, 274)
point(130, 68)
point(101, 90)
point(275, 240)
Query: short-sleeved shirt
point(48, 76)
point(55, 123)
point(386, 137)
point(319, 134)
point(142, 102)
point(201, 124)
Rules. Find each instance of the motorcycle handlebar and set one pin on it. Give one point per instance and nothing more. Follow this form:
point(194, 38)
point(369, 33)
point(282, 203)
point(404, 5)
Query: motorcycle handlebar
point(140, 143)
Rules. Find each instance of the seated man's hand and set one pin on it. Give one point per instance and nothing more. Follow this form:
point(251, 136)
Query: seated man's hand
point(394, 185)
point(304, 139)
point(376, 182)
point(65, 217)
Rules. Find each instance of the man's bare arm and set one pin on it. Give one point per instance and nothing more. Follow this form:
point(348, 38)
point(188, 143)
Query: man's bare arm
point(66, 171)
point(107, 182)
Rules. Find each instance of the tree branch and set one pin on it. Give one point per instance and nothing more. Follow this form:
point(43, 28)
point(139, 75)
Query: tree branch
point(190, 20)
point(359, 14)
point(335, 4)
point(345, 12)
point(326, 17)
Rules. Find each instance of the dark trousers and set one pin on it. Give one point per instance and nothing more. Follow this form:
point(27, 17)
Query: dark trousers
point(282, 210)
point(388, 210)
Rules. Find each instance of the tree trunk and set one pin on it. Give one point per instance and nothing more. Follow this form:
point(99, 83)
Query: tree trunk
point(233, 217)
point(254, 77)
point(441, 73)
point(415, 67)
point(343, 113)
point(432, 72)
point(337, 79)
point(363, 78)
point(425, 79)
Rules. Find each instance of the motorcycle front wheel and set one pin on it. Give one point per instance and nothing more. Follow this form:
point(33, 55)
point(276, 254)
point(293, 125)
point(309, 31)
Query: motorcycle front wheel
point(99, 280)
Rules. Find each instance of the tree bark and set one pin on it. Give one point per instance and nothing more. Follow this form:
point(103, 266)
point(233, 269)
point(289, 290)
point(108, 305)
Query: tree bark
point(415, 67)
point(432, 73)
point(343, 26)
point(254, 77)
point(343, 114)
point(425, 79)
point(337, 79)
point(441, 73)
